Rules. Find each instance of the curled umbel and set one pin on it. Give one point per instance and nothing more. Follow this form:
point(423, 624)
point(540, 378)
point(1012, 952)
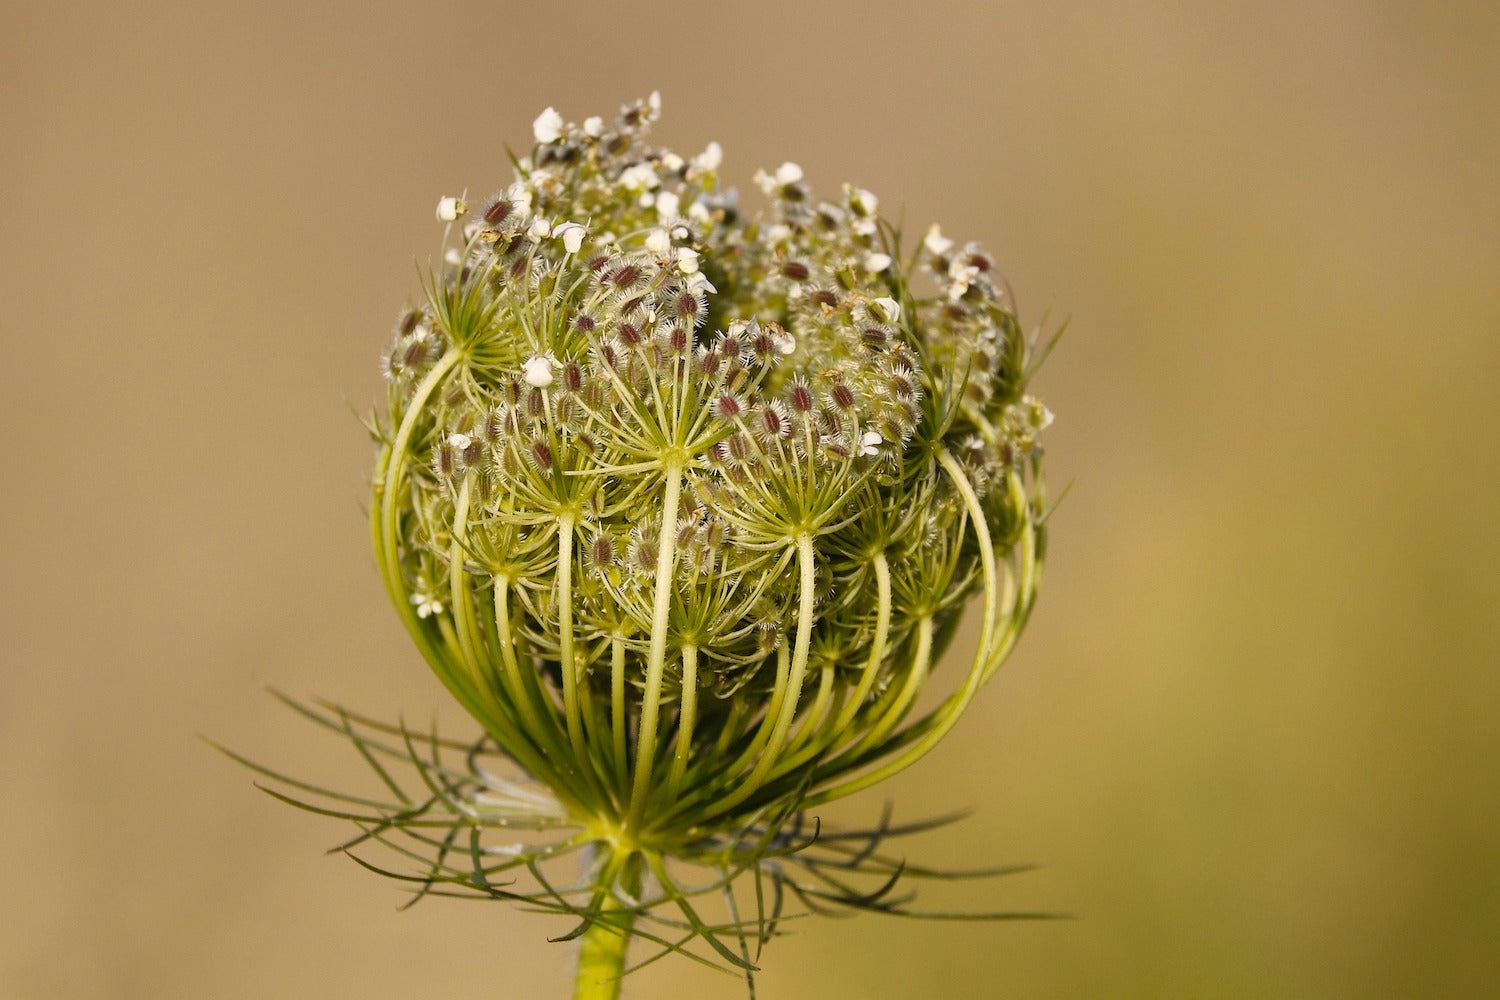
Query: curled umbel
point(683, 504)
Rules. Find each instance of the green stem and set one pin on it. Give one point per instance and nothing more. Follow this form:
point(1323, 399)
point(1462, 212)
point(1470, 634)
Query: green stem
point(601, 955)
point(645, 741)
point(601, 951)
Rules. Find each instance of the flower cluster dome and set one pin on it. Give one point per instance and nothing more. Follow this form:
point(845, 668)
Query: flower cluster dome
point(684, 504)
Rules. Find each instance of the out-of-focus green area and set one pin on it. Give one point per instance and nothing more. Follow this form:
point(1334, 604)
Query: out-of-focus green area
point(1252, 732)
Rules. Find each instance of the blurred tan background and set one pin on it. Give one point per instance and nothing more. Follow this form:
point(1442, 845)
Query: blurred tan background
point(1253, 734)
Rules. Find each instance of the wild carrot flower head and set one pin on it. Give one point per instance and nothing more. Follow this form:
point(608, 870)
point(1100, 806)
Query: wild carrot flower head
point(683, 502)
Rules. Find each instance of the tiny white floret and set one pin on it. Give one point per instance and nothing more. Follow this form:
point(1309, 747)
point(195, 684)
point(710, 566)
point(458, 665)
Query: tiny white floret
point(640, 177)
point(936, 243)
point(862, 201)
point(870, 442)
point(450, 208)
point(889, 309)
point(788, 173)
point(459, 441)
point(659, 242)
point(548, 126)
point(593, 126)
point(571, 234)
point(537, 371)
point(452, 257)
point(877, 262)
point(710, 158)
point(540, 229)
point(667, 205)
point(687, 260)
point(426, 605)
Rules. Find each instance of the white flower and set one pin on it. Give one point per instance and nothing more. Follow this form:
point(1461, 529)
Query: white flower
point(537, 371)
point(593, 126)
point(788, 173)
point(936, 243)
point(779, 233)
point(1037, 413)
point(687, 260)
point(459, 442)
point(659, 242)
point(452, 257)
point(450, 208)
point(427, 605)
point(960, 275)
point(696, 282)
point(540, 229)
point(886, 308)
point(571, 233)
point(548, 126)
point(672, 162)
point(864, 227)
point(877, 262)
point(785, 343)
point(699, 213)
point(710, 158)
point(639, 177)
point(520, 198)
point(667, 205)
point(862, 201)
point(870, 442)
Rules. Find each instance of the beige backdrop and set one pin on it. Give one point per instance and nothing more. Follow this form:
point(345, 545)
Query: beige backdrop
point(1254, 732)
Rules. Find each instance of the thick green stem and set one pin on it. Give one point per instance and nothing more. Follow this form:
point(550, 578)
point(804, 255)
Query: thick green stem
point(601, 957)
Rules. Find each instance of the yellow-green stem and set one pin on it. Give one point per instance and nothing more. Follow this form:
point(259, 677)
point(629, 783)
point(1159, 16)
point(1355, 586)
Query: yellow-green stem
point(645, 743)
point(601, 954)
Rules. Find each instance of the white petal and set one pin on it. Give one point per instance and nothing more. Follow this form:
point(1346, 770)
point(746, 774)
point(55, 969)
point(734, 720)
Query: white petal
point(659, 242)
point(936, 243)
point(788, 173)
point(537, 372)
point(890, 309)
point(877, 262)
point(571, 233)
point(710, 158)
point(687, 260)
point(450, 208)
point(667, 204)
point(593, 126)
point(548, 126)
point(540, 228)
point(639, 177)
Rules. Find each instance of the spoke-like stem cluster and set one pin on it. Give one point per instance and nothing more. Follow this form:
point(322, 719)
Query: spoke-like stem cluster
point(684, 508)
